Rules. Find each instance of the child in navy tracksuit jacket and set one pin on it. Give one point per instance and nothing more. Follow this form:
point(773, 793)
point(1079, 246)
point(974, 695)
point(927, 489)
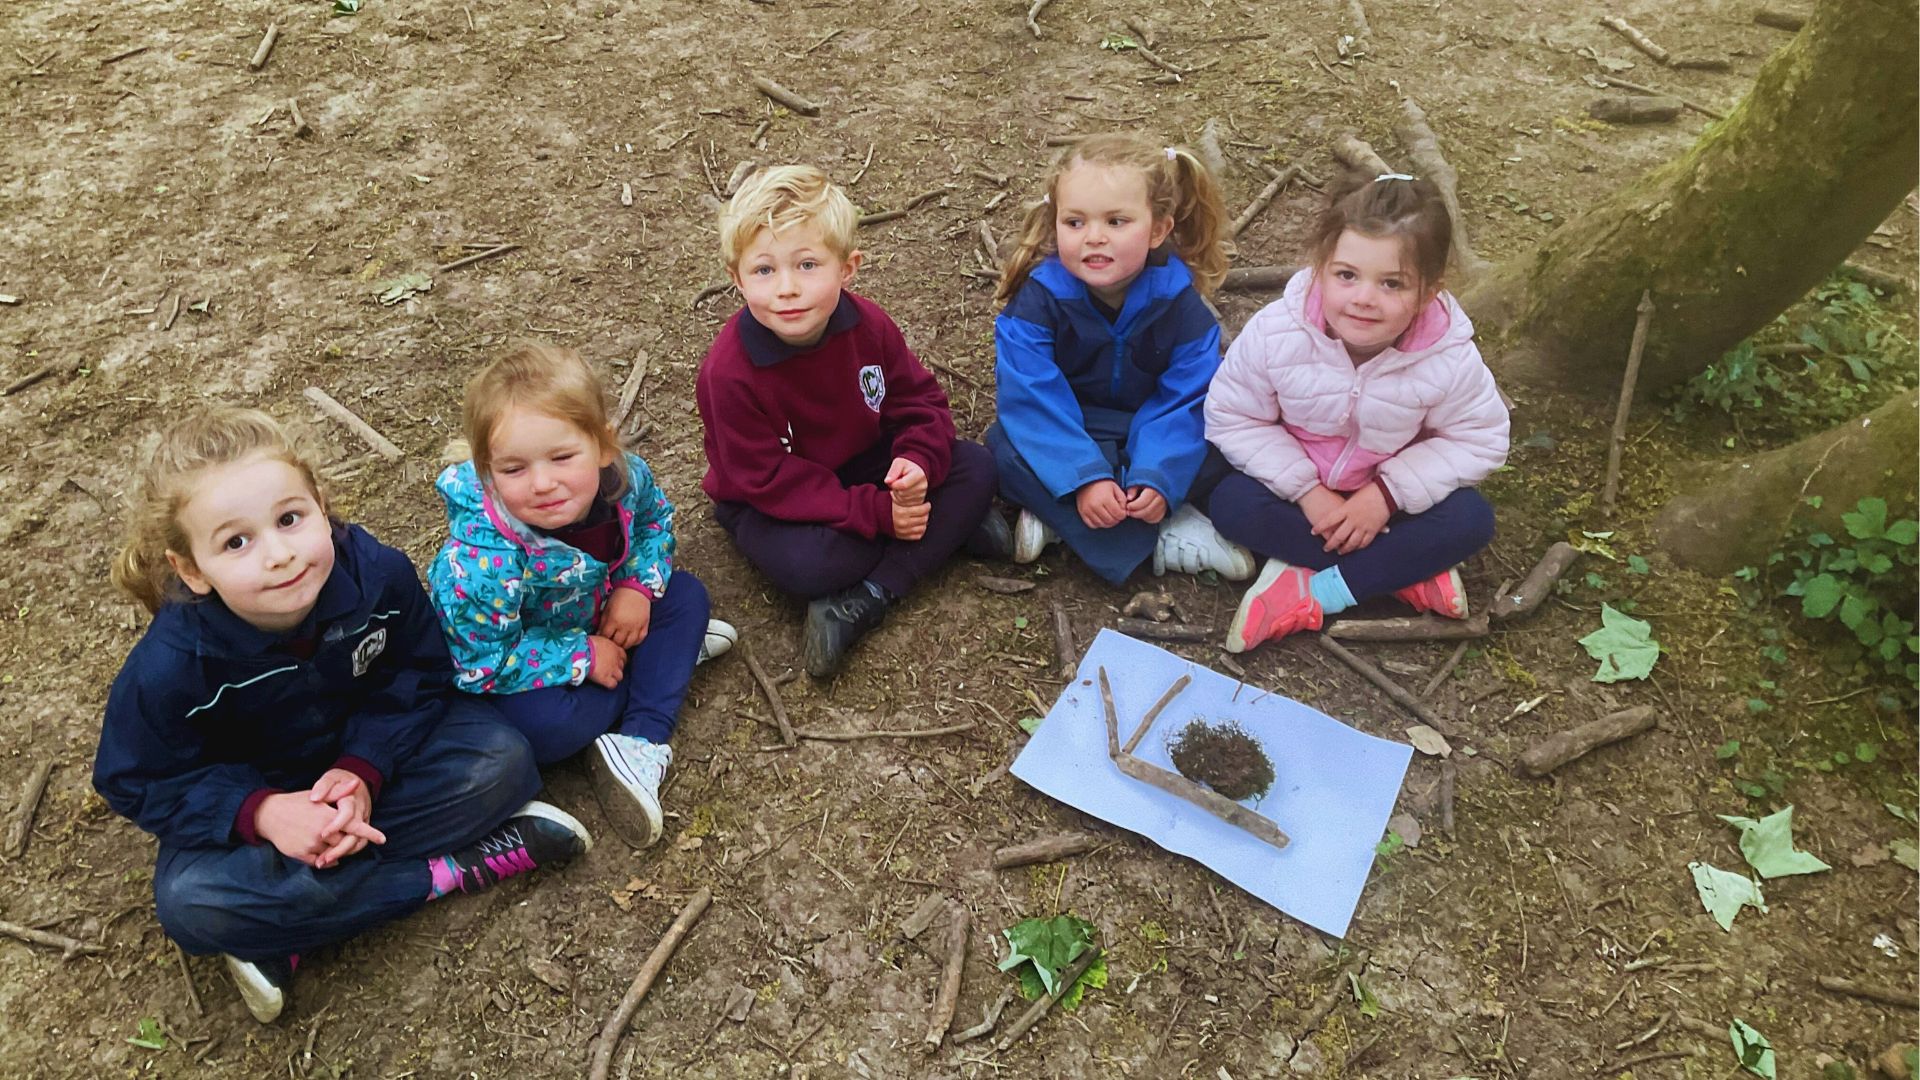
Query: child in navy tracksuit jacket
point(1105, 349)
point(286, 726)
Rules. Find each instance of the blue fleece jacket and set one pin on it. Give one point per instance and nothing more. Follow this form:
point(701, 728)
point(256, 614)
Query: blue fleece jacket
point(209, 714)
point(1064, 370)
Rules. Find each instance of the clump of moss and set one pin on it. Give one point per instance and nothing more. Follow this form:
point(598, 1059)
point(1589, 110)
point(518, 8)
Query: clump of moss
point(1223, 757)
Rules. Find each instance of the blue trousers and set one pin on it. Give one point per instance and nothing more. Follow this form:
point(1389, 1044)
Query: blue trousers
point(559, 721)
point(254, 902)
point(1413, 548)
point(1112, 553)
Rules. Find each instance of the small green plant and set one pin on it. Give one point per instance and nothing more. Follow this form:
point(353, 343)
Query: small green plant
point(1865, 581)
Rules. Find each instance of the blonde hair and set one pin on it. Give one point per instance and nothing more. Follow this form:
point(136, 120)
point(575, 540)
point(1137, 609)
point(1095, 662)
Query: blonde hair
point(1179, 188)
point(222, 435)
point(546, 379)
point(786, 197)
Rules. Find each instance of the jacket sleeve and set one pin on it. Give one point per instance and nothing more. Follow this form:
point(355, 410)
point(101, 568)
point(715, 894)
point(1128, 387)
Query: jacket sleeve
point(406, 690)
point(650, 542)
point(748, 451)
point(1465, 439)
point(915, 411)
point(151, 768)
point(1168, 437)
point(1244, 415)
point(1037, 408)
point(477, 589)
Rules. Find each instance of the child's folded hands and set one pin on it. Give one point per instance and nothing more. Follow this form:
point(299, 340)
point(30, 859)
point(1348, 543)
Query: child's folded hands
point(907, 481)
point(625, 619)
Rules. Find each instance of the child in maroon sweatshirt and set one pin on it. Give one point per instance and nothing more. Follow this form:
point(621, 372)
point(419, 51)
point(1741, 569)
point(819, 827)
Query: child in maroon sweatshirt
point(831, 456)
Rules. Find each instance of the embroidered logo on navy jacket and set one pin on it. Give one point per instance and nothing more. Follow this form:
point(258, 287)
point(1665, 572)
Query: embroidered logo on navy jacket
point(369, 648)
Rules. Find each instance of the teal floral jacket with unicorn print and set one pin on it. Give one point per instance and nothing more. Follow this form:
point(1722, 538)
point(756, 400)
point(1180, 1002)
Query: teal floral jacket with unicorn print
point(517, 606)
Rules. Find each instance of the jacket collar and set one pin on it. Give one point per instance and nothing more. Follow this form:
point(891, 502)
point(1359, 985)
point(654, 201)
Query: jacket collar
point(1164, 277)
point(764, 347)
point(1441, 322)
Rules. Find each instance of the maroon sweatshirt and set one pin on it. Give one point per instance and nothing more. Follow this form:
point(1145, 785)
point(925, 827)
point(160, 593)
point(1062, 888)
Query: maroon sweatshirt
point(781, 420)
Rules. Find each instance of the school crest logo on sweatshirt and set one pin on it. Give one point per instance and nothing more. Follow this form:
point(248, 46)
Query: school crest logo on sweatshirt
point(873, 386)
point(370, 647)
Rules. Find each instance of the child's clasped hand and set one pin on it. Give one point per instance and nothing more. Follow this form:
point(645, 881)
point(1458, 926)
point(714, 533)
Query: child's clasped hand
point(321, 826)
point(625, 618)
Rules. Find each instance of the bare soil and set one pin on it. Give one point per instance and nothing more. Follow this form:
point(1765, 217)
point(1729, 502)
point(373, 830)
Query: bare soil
point(1553, 932)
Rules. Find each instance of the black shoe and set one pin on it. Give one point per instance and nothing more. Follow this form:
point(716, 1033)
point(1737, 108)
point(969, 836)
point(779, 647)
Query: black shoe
point(537, 835)
point(835, 622)
point(993, 539)
point(263, 984)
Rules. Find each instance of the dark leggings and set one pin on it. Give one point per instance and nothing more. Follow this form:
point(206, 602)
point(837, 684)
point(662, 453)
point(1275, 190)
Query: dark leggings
point(1411, 549)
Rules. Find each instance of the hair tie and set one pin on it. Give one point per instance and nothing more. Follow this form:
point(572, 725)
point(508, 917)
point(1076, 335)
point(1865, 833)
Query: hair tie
point(1172, 153)
point(1391, 176)
point(1046, 197)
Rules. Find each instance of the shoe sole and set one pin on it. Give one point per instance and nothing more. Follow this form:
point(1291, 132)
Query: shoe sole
point(1459, 592)
point(813, 649)
point(1237, 629)
point(718, 642)
point(1028, 541)
point(632, 820)
point(263, 999)
point(560, 817)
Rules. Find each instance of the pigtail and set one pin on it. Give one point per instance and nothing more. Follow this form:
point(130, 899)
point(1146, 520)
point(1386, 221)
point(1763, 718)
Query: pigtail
point(141, 570)
point(1199, 221)
point(1036, 243)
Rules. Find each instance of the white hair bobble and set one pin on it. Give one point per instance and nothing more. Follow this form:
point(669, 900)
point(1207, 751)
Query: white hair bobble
point(1391, 176)
point(1172, 153)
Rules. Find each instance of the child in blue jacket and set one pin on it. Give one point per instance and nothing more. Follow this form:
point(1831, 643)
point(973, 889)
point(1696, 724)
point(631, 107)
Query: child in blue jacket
point(556, 588)
point(286, 727)
point(1105, 349)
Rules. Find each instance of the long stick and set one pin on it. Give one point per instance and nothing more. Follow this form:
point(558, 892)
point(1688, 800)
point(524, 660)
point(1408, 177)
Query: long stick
point(22, 828)
point(1558, 749)
point(1358, 155)
point(1789, 21)
point(1423, 146)
point(1157, 631)
point(783, 96)
point(988, 1019)
point(326, 404)
point(266, 47)
point(186, 974)
point(1033, 15)
point(617, 1023)
point(1419, 628)
point(1640, 89)
point(68, 946)
point(1639, 40)
point(1049, 849)
point(1393, 689)
point(1039, 1008)
point(855, 736)
point(1154, 713)
point(1883, 995)
point(959, 920)
point(1258, 278)
point(479, 256)
point(767, 687)
point(1538, 584)
point(1612, 490)
point(1063, 641)
point(630, 390)
point(1260, 201)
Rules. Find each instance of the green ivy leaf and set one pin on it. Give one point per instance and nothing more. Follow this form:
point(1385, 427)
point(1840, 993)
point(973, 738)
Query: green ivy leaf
point(1029, 724)
point(1819, 595)
point(150, 1037)
point(1866, 752)
point(1019, 622)
point(1727, 749)
point(1755, 1052)
point(1768, 843)
point(1369, 1005)
point(1044, 948)
point(1638, 565)
point(1624, 646)
point(1724, 894)
point(1868, 520)
point(1903, 533)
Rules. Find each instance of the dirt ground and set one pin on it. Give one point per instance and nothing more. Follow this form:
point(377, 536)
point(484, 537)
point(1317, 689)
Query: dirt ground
point(171, 239)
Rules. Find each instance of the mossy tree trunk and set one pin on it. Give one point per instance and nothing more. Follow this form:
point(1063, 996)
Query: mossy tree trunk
point(1734, 231)
point(1732, 515)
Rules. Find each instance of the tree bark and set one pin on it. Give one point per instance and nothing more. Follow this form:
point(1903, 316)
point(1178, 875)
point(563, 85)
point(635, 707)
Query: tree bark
point(1732, 515)
point(1734, 231)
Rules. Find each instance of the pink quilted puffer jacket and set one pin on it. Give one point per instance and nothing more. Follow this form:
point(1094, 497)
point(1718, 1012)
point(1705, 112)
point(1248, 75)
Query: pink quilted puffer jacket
point(1289, 408)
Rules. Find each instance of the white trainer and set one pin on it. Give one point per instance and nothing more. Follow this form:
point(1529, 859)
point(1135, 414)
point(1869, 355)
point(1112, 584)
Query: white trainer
point(1030, 537)
point(262, 984)
point(627, 772)
point(720, 638)
point(1190, 544)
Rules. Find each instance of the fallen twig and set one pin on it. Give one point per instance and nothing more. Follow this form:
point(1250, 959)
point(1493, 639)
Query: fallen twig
point(1866, 991)
point(767, 687)
point(1063, 642)
point(21, 829)
point(1556, 750)
point(709, 293)
point(1637, 39)
point(1409, 628)
point(1147, 628)
point(1048, 849)
point(68, 946)
point(630, 390)
point(1174, 784)
point(30, 378)
point(1539, 582)
point(301, 129)
point(1159, 61)
point(1260, 202)
point(266, 47)
point(1780, 19)
point(988, 1018)
point(922, 916)
point(1258, 278)
point(1033, 15)
point(783, 96)
point(1448, 772)
point(1358, 155)
point(478, 256)
point(890, 215)
point(959, 920)
point(1878, 279)
point(1380, 679)
point(186, 975)
point(989, 247)
point(616, 1024)
point(1153, 714)
point(1423, 147)
point(1635, 110)
point(326, 404)
point(125, 55)
point(854, 736)
point(1446, 669)
point(1039, 1008)
point(1003, 586)
point(1640, 89)
point(1611, 492)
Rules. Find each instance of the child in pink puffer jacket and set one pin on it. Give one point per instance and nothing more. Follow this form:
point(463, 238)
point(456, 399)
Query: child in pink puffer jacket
point(1358, 415)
